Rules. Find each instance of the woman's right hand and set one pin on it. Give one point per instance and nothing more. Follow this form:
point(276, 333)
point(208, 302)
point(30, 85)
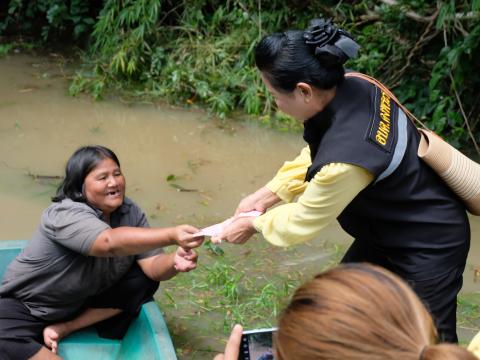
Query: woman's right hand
point(238, 232)
point(260, 200)
point(184, 236)
point(248, 203)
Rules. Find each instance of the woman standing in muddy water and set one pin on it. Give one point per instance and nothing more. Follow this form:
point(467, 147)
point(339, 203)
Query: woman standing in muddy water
point(93, 260)
point(360, 167)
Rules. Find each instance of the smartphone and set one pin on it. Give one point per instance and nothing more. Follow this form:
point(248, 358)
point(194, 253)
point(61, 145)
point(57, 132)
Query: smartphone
point(257, 345)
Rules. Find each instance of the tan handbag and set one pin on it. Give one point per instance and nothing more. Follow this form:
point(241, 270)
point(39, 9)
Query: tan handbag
point(459, 172)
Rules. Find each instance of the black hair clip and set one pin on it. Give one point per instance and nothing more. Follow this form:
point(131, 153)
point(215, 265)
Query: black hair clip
point(332, 45)
point(320, 32)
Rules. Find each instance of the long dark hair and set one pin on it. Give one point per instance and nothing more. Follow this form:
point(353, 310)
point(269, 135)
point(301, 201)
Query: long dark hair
point(285, 59)
point(78, 167)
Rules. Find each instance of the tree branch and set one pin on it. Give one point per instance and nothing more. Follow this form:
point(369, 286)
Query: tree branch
point(424, 38)
point(426, 19)
point(465, 119)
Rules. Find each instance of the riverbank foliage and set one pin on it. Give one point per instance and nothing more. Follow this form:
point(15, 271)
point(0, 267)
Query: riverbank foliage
point(200, 51)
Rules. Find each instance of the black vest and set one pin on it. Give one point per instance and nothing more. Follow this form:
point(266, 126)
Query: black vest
point(407, 214)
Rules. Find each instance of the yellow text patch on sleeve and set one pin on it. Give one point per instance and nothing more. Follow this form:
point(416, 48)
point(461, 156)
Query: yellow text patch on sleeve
point(382, 127)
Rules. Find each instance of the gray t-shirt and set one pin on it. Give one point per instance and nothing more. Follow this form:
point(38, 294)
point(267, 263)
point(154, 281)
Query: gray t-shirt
point(54, 274)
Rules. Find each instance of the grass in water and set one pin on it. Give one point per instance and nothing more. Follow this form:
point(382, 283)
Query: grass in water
point(247, 284)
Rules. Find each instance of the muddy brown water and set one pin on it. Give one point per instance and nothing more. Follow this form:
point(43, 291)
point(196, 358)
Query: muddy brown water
point(41, 126)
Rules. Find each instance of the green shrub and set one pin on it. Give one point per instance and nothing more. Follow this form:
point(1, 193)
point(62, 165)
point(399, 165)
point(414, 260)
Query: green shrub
point(201, 51)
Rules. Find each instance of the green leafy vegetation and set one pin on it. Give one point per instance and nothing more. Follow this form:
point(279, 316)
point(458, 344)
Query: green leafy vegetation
point(49, 19)
point(5, 49)
point(200, 51)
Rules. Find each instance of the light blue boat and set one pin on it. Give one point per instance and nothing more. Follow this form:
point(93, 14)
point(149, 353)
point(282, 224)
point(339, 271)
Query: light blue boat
point(147, 338)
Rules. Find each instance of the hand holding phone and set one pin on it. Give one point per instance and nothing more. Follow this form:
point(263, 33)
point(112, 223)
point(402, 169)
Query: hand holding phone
point(233, 345)
point(257, 345)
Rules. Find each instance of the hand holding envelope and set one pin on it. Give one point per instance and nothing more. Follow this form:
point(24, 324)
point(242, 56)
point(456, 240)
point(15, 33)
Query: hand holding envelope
point(216, 230)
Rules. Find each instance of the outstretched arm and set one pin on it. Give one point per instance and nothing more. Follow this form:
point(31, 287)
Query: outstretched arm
point(260, 200)
point(327, 194)
point(289, 180)
point(287, 183)
point(123, 241)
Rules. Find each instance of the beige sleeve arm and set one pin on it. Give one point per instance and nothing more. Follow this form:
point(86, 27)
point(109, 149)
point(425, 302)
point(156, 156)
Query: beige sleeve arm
point(325, 197)
point(290, 179)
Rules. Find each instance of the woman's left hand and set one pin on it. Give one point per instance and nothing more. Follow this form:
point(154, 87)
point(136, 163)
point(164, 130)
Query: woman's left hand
point(233, 345)
point(238, 232)
point(185, 260)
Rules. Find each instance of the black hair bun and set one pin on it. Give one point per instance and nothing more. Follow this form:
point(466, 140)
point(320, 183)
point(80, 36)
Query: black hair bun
point(331, 45)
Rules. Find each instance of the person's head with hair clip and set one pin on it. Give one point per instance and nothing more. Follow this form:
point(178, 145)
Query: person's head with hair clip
point(358, 312)
point(301, 68)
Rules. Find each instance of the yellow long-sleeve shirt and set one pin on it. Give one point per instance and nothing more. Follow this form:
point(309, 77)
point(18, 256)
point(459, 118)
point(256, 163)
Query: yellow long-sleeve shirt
point(321, 200)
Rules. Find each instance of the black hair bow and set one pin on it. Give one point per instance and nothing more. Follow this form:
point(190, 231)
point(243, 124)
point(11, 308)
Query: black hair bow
point(332, 45)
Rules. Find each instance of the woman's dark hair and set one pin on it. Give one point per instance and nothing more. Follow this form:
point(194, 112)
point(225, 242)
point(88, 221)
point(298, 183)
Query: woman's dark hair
point(78, 167)
point(285, 59)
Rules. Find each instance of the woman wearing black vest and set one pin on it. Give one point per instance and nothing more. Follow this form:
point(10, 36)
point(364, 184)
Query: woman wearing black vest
point(360, 167)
